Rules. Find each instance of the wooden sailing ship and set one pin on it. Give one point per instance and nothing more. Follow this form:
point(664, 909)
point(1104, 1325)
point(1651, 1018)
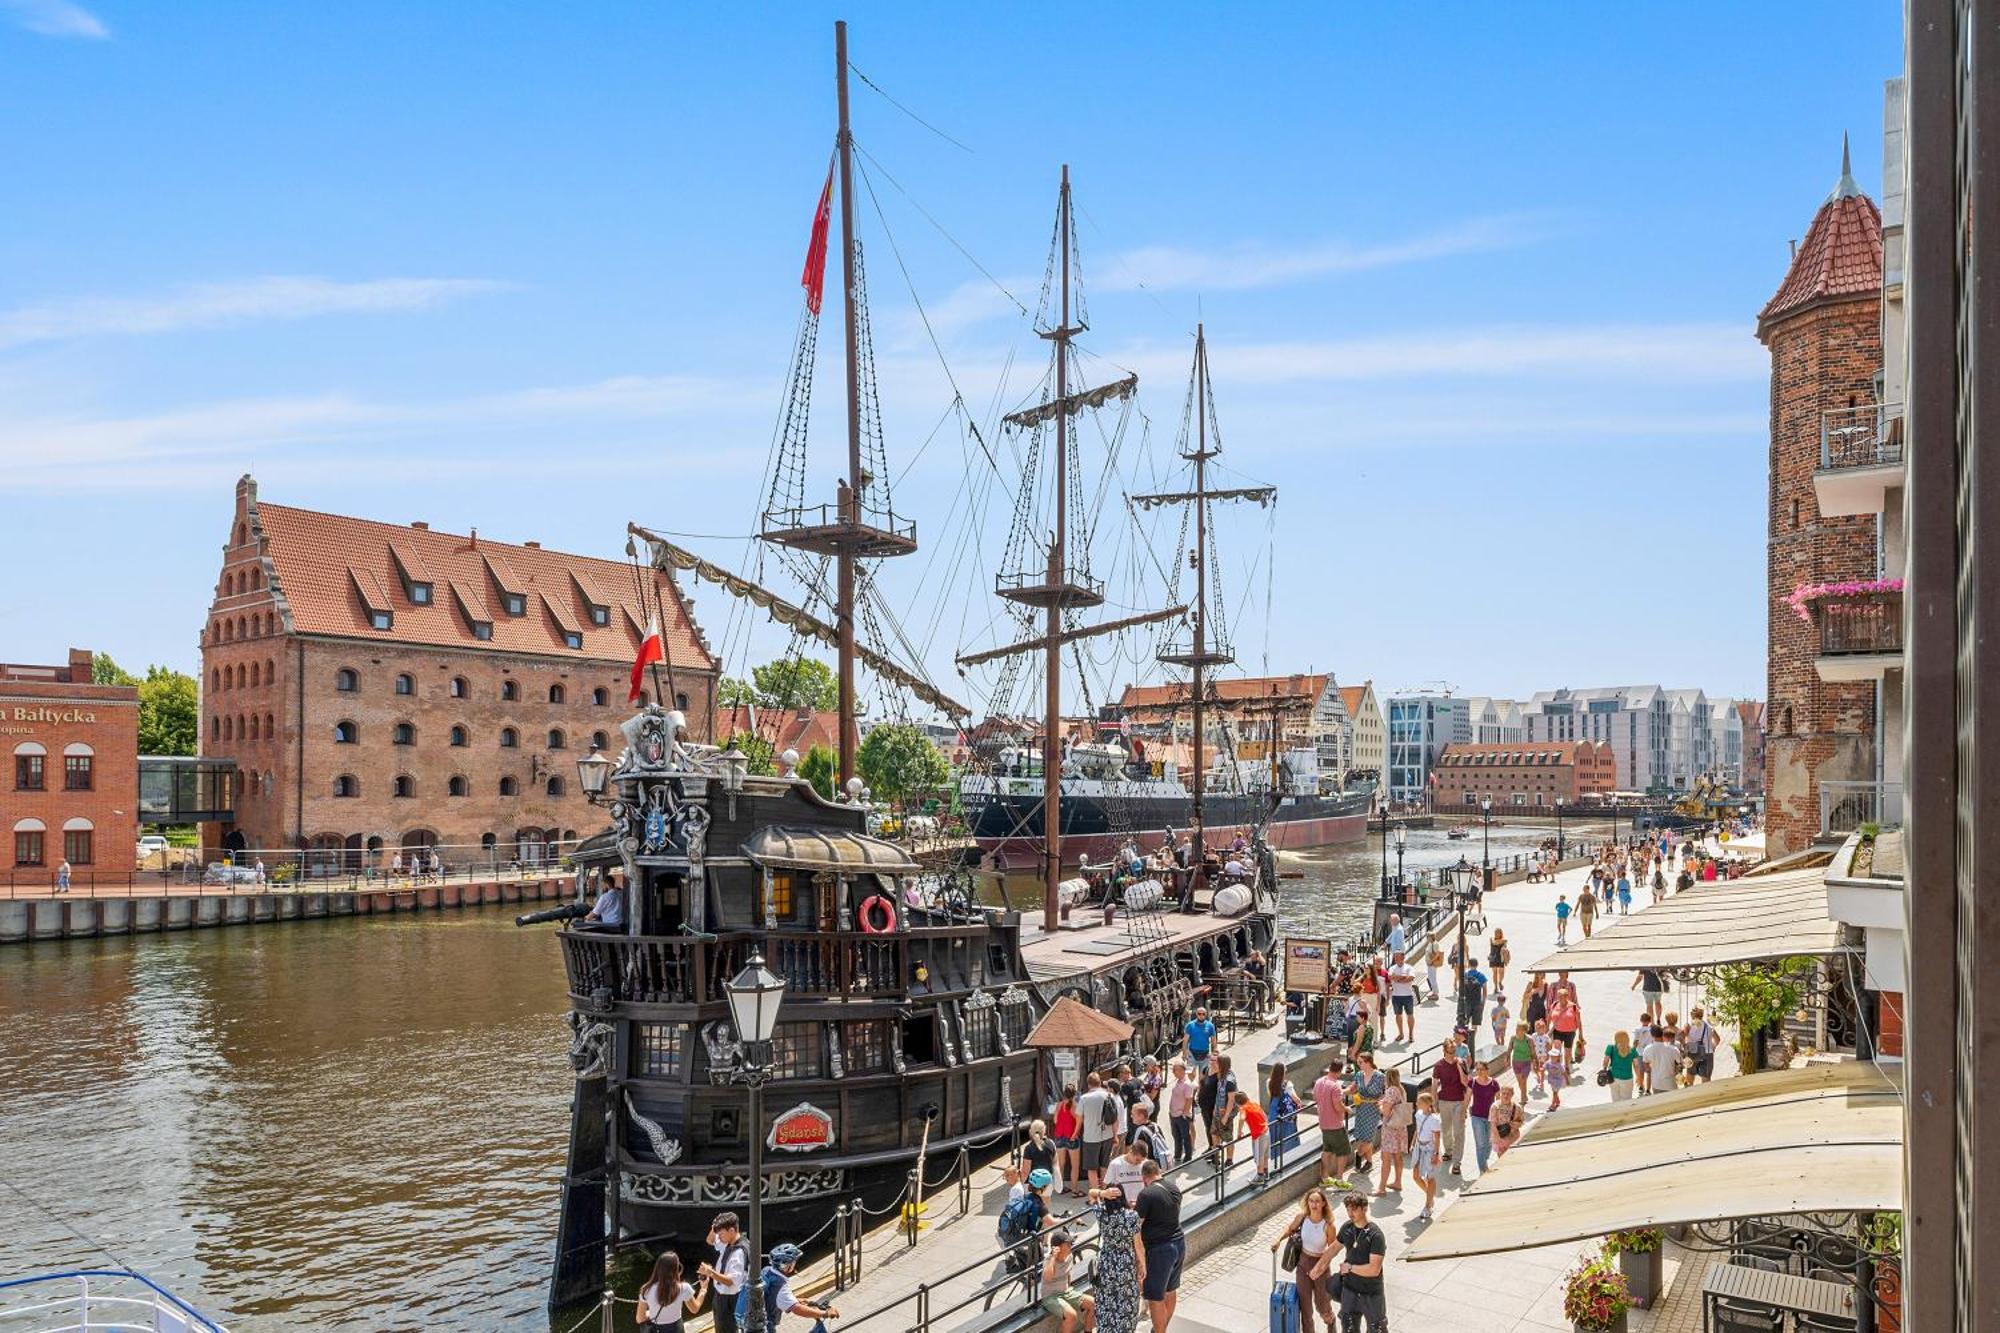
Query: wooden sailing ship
point(906, 1005)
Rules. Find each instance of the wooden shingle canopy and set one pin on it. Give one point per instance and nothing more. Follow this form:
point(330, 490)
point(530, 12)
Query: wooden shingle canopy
point(1070, 1022)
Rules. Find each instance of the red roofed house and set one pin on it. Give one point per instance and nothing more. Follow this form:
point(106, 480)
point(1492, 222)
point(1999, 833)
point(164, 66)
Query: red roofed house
point(1529, 775)
point(386, 687)
point(785, 728)
point(1823, 327)
point(1243, 714)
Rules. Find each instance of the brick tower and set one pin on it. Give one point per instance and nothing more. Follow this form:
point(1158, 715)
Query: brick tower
point(1824, 330)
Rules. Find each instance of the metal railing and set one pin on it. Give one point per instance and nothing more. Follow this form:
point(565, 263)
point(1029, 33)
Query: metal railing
point(681, 969)
point(1860, 624)
point(87, 1300)
point(1845, 806)
point(195, 882)
point(1870, 435)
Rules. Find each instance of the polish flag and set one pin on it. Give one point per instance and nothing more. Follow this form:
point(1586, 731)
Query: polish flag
point(652, 649)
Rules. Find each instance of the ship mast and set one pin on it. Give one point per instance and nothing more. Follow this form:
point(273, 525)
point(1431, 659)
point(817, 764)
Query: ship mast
point(1202, 654)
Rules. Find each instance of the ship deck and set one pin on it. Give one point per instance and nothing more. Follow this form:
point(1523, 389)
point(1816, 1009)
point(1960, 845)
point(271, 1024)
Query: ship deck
point(1087, 944)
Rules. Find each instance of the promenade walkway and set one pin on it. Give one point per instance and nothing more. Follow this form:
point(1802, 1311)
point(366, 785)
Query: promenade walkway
point(1517, 1292)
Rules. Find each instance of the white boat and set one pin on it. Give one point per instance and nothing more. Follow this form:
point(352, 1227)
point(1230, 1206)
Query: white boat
point(86, 1300)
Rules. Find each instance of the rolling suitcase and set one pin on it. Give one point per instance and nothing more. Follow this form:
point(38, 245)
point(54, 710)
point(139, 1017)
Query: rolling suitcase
point(1284, 1302)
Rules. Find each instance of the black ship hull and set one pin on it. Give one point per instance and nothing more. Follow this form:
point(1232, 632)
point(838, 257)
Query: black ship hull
point(1007, 827)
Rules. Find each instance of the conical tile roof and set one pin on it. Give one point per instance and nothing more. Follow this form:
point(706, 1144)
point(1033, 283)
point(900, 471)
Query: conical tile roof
point(1840, 258)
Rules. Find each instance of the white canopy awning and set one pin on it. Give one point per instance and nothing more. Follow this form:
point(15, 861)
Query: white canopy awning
point(1737, 921)
point(1822, 1139)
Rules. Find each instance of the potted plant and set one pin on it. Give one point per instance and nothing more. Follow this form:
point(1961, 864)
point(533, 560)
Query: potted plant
point(1640, 1254)
point(1595, 1297)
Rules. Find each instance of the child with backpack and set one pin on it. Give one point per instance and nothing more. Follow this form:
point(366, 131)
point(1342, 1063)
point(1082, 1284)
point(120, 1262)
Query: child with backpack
point(1021, 1221)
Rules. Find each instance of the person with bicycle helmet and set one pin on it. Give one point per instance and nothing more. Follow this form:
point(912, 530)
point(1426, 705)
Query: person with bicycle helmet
point(776, 1285)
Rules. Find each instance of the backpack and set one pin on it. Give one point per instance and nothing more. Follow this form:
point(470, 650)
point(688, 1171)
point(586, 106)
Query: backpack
point(1149, 1141)
point(771, 1280)
point(1108, 1113)
point(1020, 1219)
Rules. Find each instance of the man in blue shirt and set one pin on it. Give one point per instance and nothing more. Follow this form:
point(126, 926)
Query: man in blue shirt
point(609, 909)
point(1396, 943)
point(1200, 1039)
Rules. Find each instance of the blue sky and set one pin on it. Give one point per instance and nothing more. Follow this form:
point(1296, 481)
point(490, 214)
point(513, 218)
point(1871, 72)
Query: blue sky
point(1479, 281)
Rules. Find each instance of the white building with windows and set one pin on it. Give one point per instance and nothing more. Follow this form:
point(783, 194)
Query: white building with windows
point(1420, 726)
point(1663, 739)
point(1495, 721)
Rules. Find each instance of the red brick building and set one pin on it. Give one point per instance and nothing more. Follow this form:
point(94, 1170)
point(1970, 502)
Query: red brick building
point(1530, 776)
point(385, 687)
point(71, 788)
point(1824, 330)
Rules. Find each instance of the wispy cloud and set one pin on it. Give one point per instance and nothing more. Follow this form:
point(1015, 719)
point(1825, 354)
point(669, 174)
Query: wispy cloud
point(225, 304)
point(1172, 268)
point(55, 18)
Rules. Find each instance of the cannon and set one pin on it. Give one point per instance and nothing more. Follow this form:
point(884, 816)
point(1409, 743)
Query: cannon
point(566, 912)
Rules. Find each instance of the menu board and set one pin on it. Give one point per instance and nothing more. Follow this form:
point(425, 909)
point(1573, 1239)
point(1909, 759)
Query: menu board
point(1308, 965)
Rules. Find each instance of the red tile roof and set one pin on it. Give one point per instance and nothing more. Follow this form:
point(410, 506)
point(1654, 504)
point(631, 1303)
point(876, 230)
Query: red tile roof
point(784, 728)
point(1840, 258)
point(1350, 698)
point(1247, 689)
point(1464, 755)
point(319, 559)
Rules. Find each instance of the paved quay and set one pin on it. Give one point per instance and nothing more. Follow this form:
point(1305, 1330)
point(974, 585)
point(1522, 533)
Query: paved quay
point(1229, 1278)
point(1516, 1292)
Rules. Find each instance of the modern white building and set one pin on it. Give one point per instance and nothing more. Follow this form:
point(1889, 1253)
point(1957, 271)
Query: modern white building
point(1664, 739)
point(1495, 721)
point(1421, 725)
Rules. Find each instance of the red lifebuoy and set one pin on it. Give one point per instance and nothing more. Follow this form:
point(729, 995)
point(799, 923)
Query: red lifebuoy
point(878, 915)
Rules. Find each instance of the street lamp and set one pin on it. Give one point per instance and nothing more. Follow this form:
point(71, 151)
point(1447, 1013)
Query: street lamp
point(1559, 832)
point(1383, 892)
point(1402, 840)
point(592, 772)
point(1485, 840)
point(1461, 889)
point(754, 995)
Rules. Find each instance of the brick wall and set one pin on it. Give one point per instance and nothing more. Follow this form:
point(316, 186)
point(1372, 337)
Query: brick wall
point(1823, 357)
point(56, 714)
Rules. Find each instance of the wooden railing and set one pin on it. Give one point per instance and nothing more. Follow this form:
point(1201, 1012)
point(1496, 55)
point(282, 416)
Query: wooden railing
point(1867, 623)
point(676, 969)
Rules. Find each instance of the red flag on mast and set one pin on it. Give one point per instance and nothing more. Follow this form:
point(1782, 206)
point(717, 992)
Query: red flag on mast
point(813, 279)
point(651, 650)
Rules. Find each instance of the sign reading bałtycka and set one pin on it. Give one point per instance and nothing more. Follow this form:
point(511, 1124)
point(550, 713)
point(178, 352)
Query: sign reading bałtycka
point(1307, 965)
point(801, 1129)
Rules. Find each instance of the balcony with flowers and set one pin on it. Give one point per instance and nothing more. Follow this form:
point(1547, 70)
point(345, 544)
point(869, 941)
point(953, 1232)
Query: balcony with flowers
point(1860, 623)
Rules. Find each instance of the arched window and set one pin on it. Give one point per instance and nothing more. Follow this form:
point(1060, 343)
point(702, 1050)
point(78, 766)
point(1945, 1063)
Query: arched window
point(242, 627)
point(405, 785)
point(405, 683)
point(509, 738)
point(681, 702)
point(457, 785)
point(215, 728)
point(556, 694)
point(252, 732)
point(487, 842)
point(270, 727)
point(346, 785)
point(555, 787)
point(28, 836)
point(270, 671)
point(600, 696)
point(229, 728)
point(30, 766)
point(459, 736)
point(599, 741)
point(215, 680)
point(556, 738)
point(346, 681)
point(79, 767)
point(510, 690)
point(458, 687)
point(77, 849)
point(243, 535)
point(508, 786)
point(228, 584)
point(405, 734)
point(345, 733)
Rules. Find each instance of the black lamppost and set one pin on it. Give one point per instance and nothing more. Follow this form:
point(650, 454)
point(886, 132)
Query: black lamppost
point(1485, 842)
point(1384, 894)
point(1402, 837)
point(1559, 832)
point(754, 995)
point(1461, 889)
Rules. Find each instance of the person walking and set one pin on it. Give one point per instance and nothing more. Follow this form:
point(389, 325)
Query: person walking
point(1565, 1016)
point(1426, 1128)
point(1403, 997)
point(1699, 1043)
point(1180, 1111)
point(1448, 1083)
point(1207, 1093)
point(1361, 1296)
point(62, 876)
point(1121, 1261)
point(1586, 912)
point(1281, 1108)
point(1314, 1226)
point(1507, 1119)
point(1258, 1127)
point(1394, 1108)
point(1224, 1133)
point(1659, 885)
point(1498, 955)
point(1556, 1066)
point(1652, 987)
point(1364, 1126)
point(1624, 893)
point(1163, 1246)
point(1660, 1061)
point(1432, 962)
point(1562, 919)
point(1199, 1039)
point(1479, 1096)
point(1500, 1018)
point(1622, 1062)
point(1521, 1058)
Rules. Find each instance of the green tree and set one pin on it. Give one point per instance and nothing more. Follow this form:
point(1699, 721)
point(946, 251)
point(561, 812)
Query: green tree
point(898, 762)
point(169, 712)
point(733, 692)
point(104, 671)
point(757, 748)
point(795, 682)
point(820, 766)
point(1752, 996)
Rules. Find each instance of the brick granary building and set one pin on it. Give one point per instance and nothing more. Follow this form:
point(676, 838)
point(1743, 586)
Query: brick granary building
point(1528, 777)
point(71, 790)
point(1823, 327)
point(387, 688)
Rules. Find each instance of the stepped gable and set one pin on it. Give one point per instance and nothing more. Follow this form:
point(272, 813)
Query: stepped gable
point(1840, 258)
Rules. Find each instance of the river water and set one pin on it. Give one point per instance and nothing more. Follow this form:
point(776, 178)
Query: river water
point(355, 1124)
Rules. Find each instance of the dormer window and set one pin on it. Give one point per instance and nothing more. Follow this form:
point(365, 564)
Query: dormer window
point(482, 630)
point(571, 639)
point(515, 603)
point(600, 615)
point(420, 594)
point(381, 619)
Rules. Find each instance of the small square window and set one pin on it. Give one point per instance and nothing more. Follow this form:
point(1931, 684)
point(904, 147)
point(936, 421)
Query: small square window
point(420, 594)
point(482, 629)
point(572, 639)
point(382, 619)
point(600, 615)
point(516, 603)
point(660, 1049)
